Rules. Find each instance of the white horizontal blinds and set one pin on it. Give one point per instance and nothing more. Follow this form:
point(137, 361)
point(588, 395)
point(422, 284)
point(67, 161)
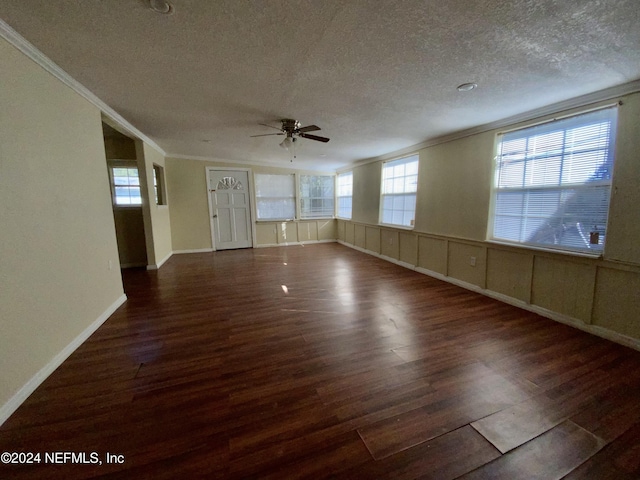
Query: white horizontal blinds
point(126, 186)
point(553, 182)
point(317, 196)
point(399, 187)
point(275, 197)
point(345, 194)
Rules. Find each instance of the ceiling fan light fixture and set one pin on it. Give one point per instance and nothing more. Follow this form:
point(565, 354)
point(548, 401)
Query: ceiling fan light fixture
point(286, 143)
point(161, 6)
point(467, 87)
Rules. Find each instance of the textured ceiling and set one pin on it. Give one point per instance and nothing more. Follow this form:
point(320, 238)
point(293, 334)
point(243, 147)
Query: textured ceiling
point(377, 76)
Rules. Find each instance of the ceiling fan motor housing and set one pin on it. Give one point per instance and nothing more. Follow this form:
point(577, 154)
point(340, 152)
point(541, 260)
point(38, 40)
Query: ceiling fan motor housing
point(290, 126)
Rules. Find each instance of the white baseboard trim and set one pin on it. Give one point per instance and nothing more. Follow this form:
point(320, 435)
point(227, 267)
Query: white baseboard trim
point(160, 263)
point(289, 244)
point(194, 250)
point(28, 388)
point(558, 317)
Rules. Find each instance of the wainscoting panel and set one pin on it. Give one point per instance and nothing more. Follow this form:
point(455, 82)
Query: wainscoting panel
point(591, 294)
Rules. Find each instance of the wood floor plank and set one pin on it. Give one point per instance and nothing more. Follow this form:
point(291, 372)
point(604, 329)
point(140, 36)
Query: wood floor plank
point(442, 458)
point(511, 427)
point(462, 395)
point(619, 460)
point(516, 425)
point(613, 412)
point(212, 370)
point(548, 457)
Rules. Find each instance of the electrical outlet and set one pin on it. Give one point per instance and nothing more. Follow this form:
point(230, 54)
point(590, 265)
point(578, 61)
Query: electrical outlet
point(110, 265)
point(472, 261)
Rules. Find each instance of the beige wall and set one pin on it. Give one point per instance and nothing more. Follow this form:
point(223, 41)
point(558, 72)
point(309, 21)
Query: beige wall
point(119, 148)
point(187, 192)
point(366, 188)
point(455, 187)
point(57, 234)
point(451, 229)
point(190, 227)
point(623, 236)
point(157, 223)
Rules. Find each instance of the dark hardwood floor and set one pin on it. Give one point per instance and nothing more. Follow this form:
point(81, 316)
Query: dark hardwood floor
point(321, 361)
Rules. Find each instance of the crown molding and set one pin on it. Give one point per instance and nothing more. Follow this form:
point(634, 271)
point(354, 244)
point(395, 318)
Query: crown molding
point(577, 102)
point(28, 49)
point(288, 166)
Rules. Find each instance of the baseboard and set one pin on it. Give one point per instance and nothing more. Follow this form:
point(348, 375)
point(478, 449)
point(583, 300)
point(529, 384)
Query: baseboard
point(558, 317)
point(156, 266)
point(194, 250)
point(28, 388)
point(289, 244)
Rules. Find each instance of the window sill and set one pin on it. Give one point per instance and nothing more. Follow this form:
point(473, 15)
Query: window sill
point(276, 220)
point(399, 227)
point(573, 253)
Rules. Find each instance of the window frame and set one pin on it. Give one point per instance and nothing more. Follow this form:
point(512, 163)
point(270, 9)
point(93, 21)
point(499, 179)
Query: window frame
point(495, 189)
point(256, 184)
point(301, 198)
point(113, 164)
point(338, 196)
point(403, 160)
point(159, 185)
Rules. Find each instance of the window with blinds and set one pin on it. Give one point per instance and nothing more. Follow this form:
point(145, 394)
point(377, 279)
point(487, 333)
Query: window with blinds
point(345, 194)
point(399, 188)
point(275, 197)
point(316, 196)
point(553, 183)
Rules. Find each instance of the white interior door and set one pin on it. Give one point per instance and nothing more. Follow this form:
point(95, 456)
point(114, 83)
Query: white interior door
point(230, 209)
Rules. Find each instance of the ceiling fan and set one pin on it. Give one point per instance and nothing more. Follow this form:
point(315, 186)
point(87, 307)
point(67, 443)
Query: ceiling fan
point(292, 129)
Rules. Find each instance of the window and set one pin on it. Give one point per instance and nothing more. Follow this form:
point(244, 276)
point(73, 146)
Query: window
point(316, 196)
point(345, 194)
point(553, 181)
point(126, 186)
point(399, 187)
point(159, 185)
point(275, 197)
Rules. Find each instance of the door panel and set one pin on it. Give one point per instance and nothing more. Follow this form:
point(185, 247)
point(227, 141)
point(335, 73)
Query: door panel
point(231, 215)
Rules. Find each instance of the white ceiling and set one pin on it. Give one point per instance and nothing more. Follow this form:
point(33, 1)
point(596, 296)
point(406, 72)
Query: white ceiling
point(375, 75)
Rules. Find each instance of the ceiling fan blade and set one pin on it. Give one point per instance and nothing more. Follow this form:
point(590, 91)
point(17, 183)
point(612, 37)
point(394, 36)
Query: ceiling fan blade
point(309, 128)
point(266, 134)
point(270, 126)
point(314, 137)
